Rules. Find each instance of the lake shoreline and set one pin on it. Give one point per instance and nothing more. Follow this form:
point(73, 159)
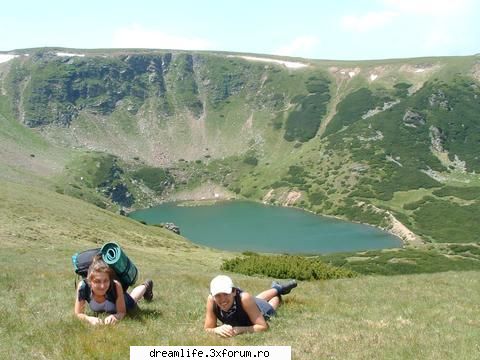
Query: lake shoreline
point(396, 241)
point(397, 229)
point(211, 195)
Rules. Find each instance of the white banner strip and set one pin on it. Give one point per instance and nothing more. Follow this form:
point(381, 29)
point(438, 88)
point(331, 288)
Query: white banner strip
point(211, 352)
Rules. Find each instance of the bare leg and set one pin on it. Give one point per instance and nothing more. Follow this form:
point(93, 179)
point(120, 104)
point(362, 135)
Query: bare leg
point(270, 295)
point(275, 302)
point(138, 292)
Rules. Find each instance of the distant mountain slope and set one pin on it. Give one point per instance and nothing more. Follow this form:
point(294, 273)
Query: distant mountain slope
point(380, 142)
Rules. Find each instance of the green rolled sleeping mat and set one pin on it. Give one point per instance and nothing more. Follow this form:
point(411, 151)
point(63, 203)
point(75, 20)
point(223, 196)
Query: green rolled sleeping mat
point(116, 258)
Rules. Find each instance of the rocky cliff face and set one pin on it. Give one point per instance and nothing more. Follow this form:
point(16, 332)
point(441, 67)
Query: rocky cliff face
point(58, 88)
point(169, 106)
point(203, 100)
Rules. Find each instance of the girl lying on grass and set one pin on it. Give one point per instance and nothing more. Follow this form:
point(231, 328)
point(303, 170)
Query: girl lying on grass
point(104, 294)
point(239, 311)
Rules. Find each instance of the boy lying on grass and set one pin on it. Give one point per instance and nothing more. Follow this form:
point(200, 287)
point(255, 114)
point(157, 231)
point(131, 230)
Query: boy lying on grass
point(239, 311)
point(104, 294)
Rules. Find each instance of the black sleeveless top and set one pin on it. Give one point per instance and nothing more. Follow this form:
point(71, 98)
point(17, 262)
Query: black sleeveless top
point(236, 316)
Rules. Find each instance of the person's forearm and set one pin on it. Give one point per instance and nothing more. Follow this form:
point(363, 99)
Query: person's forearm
point(249, 329)
point(82, 316)
point(222, 330)
point(85, 317)
point(210, 330)
point(119, 315)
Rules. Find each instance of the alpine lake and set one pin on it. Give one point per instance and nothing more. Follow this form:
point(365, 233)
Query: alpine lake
point(249, 226)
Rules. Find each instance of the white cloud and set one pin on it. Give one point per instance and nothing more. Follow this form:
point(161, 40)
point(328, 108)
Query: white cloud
point(136, 36)
point(430, 7)
point(300, 46)
point(441, 21)
point(369, 21)
point(437, 39)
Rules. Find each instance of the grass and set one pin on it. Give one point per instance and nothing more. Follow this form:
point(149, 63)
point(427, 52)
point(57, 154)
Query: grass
point(404, 197)
point(431, 316)
point(409, 316)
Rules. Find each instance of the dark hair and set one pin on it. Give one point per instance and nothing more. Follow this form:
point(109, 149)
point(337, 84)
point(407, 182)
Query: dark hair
point(99, 266)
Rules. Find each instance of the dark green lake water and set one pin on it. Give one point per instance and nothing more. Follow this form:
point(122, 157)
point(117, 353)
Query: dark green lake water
point(249, 226)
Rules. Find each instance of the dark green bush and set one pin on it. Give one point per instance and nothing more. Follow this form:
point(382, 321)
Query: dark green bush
point(251, 160)
point(352, 108)
point(317, 198)
point(402, 261)
point(449, 222)
point(285, 267)
point(466, 193)
point(155, 178)
point(278, 184)
point(302, 124)
point(416, 204)
point(296, 175)
point(402, 89)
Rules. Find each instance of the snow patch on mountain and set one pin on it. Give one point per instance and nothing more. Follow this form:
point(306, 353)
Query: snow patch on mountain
point(6, 57)
point(288, 64)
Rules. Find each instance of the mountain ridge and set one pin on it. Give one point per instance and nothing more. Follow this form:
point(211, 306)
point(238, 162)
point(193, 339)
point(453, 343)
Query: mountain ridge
point(347, 136)
point(381, 143)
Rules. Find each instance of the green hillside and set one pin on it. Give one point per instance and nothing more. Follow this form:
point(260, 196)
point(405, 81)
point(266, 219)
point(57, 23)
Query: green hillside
point(431, 316)
point(345, 137)
point(391, 143)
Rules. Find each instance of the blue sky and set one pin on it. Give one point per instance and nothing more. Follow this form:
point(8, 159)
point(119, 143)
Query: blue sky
point(340, 30)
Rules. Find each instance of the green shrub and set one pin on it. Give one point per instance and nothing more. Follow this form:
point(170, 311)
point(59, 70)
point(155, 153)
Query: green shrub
point(363, 214)
point(465, 250)
point(296, 175)
point(317, 198)
point(285, 267)
point(449, 222)
point(416, 204)
point(352, 108)
point(278, 184)
point(251, 160)
point(454, 109)
point(402, 89)
point(466, 193)
point(402, 261)
point(302, 124)
point(155, 178)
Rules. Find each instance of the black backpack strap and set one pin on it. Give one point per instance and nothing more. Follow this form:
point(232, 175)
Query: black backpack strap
point(84, 291)
point(111, 294)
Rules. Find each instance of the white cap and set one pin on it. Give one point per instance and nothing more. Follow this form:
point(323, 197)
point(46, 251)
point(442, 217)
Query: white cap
point(221, 284)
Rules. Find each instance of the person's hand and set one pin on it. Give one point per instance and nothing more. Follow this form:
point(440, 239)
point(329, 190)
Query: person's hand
point(225, 331)
point(110, 320)
point(95, 320)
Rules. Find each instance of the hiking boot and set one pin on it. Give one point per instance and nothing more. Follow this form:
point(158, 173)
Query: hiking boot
point(148, 295)
point(284, 289)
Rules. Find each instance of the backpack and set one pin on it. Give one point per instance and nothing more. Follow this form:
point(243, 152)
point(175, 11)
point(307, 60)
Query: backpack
point(82, 261)
point(124, 269)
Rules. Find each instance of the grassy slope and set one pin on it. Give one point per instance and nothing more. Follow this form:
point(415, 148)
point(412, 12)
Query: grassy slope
point(415, 316)
point(421, 316)
point(25, 156)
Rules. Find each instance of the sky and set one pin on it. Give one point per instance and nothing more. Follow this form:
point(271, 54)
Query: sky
point(334, 29)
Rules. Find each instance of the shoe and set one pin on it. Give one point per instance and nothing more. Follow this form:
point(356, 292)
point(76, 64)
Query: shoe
point(284, 289)
point(148, 295)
